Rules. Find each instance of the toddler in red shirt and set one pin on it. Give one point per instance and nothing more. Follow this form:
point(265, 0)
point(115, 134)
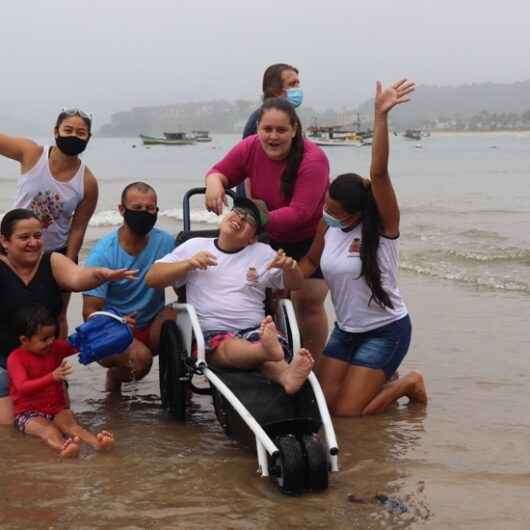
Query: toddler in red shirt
point(37, 371)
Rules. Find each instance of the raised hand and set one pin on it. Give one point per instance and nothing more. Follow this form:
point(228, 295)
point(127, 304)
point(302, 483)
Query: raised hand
point(111, 275)
point(202, 260)
point(60, 373)
point(389, 97)
point(282, 261)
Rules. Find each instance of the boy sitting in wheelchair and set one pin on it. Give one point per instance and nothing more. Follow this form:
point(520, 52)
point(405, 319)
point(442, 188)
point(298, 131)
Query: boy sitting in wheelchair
point(225, 281)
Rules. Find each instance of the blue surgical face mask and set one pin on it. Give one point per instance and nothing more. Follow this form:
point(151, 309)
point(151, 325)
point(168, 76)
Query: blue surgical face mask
point(295, 96)
point(331, 221)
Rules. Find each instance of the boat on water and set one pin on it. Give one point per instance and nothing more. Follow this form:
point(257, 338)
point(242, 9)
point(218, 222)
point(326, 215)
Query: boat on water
point(340, 135)
point(413, 134)
point(341, 142)
point(168, 139)
point(341, 138)
point(201, 136)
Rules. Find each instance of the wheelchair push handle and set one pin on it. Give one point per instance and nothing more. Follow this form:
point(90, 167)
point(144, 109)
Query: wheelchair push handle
point(186, 213)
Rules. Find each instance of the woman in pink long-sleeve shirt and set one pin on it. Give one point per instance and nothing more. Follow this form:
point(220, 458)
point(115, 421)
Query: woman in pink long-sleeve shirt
point(291, 175)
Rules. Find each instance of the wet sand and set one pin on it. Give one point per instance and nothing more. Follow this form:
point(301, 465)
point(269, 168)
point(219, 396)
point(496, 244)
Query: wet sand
point(460, 462)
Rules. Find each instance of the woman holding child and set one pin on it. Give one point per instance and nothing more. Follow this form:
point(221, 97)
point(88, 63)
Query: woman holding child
point(291, 175)
point(356, 247)
point(29, 276)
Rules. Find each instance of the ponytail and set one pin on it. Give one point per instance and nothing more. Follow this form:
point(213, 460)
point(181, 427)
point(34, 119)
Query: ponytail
point(355, 195)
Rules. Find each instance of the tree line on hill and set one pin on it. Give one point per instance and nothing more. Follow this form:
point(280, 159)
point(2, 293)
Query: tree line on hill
point(479, 106)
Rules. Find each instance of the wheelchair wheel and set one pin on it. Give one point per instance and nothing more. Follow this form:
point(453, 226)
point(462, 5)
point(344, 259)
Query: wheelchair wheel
point(288, 469)
point(316, 463)
point(172, 372)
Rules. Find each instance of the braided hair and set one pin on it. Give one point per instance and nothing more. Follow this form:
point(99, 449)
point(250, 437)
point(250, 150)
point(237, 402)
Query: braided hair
point(296, 153)
point(354, 194)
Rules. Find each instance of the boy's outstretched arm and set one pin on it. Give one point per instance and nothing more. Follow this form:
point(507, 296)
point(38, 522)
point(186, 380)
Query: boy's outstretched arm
point(292, 275)
point(162, 275)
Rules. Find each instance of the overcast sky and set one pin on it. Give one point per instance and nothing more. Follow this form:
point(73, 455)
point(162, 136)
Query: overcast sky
point(109, 55)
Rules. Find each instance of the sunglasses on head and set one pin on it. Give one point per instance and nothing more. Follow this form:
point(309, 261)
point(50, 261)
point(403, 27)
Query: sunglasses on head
point(77, 112)
point(245, 215)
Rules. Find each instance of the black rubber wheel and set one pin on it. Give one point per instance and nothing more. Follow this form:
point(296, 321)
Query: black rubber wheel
point(316, 463)
point(288, 470)
point(172, 370)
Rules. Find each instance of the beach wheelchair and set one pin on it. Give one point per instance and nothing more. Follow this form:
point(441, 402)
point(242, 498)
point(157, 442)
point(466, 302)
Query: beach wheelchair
point(253, 410)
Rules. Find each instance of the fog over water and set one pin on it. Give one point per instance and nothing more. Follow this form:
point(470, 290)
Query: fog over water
point(110, 56)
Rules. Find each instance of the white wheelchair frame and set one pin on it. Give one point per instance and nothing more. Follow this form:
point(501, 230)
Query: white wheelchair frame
point(188, 323)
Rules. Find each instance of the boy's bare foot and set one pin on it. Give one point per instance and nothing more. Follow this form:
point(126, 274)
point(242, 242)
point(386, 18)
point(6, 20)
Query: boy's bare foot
point(106, 440)
point(297, 371)
point(417, 392)
point(264, 322)
point(70, 448)
point(270, 342)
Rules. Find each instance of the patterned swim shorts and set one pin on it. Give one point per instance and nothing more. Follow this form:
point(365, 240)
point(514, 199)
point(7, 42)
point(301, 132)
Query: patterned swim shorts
point(21, 420)
point(213, 338)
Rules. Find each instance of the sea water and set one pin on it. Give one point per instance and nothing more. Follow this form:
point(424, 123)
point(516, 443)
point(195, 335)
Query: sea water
point(462, 461)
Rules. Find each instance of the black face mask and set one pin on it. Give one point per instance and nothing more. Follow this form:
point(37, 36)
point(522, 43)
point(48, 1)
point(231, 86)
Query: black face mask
point(139, 221)
point(71, 145)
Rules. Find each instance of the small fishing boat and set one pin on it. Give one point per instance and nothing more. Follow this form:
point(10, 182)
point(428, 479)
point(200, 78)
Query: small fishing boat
point(201, 136)
point(168, 139)
point(341, 142)
point(412, 134)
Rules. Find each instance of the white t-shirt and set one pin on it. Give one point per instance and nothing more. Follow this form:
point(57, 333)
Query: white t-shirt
point(223, 296)
point(341, 267)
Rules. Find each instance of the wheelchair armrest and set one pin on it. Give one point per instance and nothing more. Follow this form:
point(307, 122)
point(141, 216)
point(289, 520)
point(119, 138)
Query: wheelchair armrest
point(188, 323)
point(286, 321)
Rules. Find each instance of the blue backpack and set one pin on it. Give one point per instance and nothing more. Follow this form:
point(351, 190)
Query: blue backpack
point(103, 334)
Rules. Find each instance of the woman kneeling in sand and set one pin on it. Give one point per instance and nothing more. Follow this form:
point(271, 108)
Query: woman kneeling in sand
point(356, 248)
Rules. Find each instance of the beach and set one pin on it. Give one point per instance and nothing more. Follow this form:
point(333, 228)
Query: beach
point(460, 462)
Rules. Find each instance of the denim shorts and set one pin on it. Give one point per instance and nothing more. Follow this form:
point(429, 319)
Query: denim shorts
point(4, 383)
point(381, 349)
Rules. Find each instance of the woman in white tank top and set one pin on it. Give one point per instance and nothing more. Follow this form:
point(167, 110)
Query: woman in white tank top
point(56, 185)
point(356, 248)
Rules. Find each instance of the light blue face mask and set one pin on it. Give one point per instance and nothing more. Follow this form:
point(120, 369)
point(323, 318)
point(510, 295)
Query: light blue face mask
point(331, 221)
point(295, 96)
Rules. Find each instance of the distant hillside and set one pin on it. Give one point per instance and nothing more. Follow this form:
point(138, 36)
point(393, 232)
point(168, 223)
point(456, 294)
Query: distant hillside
point(433, 104)
point(215, 116)
point(219, 116)
point(490, 105)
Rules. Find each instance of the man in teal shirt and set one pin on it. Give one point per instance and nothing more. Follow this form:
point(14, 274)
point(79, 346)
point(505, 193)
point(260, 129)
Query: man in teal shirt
point(135, 245)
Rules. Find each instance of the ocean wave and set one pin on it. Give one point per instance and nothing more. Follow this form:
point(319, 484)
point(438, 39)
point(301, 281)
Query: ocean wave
point(471, 254)
point(113, 217)
point(512, 255)
point(434, 209)
point(486, 280)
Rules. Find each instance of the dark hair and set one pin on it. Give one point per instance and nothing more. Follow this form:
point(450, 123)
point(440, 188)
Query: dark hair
point(11, 218)
point(296, 153)
point(272, 79)
point(355, 195)
point(142, 187)
point(68, 114)
point(28, 319)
